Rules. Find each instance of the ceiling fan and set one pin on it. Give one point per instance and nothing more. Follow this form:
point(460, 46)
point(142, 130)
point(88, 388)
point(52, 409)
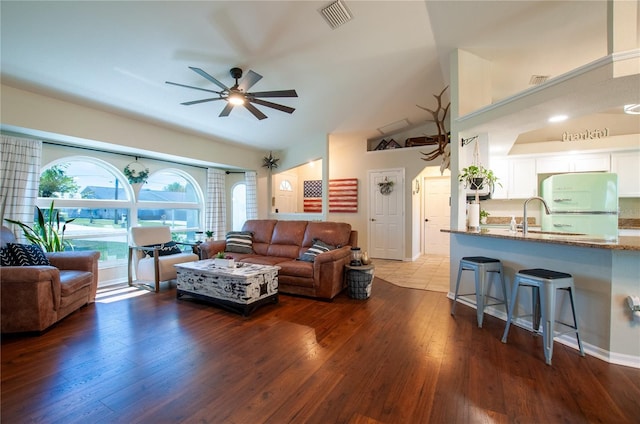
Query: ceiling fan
point(238, 95)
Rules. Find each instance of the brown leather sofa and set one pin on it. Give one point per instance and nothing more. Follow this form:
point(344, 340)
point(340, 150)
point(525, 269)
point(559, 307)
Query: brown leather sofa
point(33, 298)
point(281, 243)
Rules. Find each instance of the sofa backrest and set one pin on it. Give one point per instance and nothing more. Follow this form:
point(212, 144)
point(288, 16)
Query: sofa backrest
point(333, 233)
point(291, 239)
point(262, 230)
point(287, 238)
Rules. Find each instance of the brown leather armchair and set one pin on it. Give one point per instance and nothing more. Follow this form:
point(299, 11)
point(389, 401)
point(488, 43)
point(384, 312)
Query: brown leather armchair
point(32, 298)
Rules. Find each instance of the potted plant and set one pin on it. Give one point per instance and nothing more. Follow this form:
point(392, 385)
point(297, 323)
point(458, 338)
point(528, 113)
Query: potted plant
point(483, 216)
point(476, 176)
point(46, 233)
point(223, 260)
point(209, 235)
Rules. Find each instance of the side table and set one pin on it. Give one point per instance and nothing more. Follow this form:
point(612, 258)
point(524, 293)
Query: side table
point(359, 280)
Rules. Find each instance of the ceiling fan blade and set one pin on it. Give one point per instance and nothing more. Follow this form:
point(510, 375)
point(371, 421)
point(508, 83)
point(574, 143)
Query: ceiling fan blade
point(273, 105)
point(280, 93)
point(227, 110)
point(209, 77)
point(195, 102)
point(249, 80)
point(255, 111)
point(195, 88)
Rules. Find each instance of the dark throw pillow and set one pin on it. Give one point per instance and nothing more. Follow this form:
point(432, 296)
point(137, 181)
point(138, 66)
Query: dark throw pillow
point(166, 249)
point(5, 257)
point(26, 255)
point(239, 242)
point(316, 248)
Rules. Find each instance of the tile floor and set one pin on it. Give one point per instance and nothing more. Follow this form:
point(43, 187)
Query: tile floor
point(428, 272)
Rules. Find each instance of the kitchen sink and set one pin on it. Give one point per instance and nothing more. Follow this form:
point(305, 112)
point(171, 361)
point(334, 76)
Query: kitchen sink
point(555, 233)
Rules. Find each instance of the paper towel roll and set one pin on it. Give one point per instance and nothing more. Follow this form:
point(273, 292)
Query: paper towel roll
point(474, 216)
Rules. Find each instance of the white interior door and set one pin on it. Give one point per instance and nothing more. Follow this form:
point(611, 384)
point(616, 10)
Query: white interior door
point(437, 211)
point(285, 188)
point(386, 215)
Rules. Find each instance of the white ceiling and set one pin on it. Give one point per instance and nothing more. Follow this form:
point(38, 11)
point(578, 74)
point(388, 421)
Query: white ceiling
point(364, 75)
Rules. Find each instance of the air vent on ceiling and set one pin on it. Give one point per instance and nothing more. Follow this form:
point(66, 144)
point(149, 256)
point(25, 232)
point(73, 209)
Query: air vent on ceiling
point(336, 14)
point(538, 79)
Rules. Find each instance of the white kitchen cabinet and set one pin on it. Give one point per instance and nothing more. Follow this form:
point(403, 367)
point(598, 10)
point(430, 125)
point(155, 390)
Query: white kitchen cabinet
point(627, 166)
point(517, 176)
point(599, 162)
point(523, 182)
point(500, 168)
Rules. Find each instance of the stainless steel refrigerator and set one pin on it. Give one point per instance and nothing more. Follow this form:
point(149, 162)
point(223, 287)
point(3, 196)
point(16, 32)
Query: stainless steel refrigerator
point(582, 203)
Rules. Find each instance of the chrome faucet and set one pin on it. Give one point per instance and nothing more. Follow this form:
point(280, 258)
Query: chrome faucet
point(524, 220)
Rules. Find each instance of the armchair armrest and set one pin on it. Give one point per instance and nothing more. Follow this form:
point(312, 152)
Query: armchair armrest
point(84, 260)
point(20, 283)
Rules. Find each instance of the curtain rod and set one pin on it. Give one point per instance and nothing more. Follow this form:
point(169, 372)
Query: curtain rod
point(134, 155)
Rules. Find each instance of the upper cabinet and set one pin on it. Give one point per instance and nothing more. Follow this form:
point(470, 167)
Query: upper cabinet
point(627, 166)
point(571, 163)
point(517, 178)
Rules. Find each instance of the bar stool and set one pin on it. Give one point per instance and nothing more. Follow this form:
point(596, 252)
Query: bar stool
point(481, 265)
point(544, 304)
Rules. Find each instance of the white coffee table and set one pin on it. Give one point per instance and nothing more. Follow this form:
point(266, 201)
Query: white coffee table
point(241, 289)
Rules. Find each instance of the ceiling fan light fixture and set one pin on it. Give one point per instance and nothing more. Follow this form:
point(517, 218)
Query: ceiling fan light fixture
point(236, 99)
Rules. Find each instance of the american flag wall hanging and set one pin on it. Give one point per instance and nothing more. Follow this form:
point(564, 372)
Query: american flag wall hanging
point(343, 195)
point(312, 196)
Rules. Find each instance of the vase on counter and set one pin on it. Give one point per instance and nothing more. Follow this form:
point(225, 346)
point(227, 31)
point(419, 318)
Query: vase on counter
point(473, 214)
point(365, 258)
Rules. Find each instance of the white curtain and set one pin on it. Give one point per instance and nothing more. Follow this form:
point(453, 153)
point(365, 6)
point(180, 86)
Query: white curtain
point(250, 179)
point(20, 160)
point(216, 210)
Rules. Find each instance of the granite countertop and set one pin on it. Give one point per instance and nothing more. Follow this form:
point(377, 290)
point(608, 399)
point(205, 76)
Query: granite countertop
point(623, 242)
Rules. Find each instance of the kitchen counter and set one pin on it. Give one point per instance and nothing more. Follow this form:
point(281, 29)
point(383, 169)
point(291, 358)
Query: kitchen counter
point(623, 243)
point(605, 273)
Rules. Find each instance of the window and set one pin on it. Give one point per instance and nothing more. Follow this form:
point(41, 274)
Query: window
point(171, 197)
point(239, 205)
point(101, 202)
point(97, 197)
point(285, 185)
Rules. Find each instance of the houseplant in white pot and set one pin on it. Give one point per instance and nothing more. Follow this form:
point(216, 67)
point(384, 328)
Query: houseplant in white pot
point(476, 177)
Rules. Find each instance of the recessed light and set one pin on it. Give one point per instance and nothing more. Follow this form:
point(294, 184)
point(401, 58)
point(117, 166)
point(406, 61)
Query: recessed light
point(558, 118)
point(633, 109)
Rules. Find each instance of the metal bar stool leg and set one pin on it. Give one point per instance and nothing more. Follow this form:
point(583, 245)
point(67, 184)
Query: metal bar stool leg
point(455, 295)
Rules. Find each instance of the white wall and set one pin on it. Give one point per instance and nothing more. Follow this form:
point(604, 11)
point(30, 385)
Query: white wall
point(348, 158)
point(59, 120)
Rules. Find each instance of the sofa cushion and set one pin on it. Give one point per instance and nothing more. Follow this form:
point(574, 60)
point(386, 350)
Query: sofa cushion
point(71, 281)
point(166, 249)
point(239, 242)
point(296, 269)
point(26, 255)
point(265, 260)
point(316, 248)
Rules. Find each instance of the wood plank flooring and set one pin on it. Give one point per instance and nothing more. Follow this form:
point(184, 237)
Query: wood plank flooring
point(398, 357)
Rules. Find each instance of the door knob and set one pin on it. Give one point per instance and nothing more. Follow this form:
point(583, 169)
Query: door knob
point(373, 219)
point(426, 220)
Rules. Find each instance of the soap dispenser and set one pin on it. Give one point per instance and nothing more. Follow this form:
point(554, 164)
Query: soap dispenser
point(513, 227)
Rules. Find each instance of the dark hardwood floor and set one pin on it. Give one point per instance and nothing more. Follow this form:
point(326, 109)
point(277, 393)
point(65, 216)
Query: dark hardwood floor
point(399, 357)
